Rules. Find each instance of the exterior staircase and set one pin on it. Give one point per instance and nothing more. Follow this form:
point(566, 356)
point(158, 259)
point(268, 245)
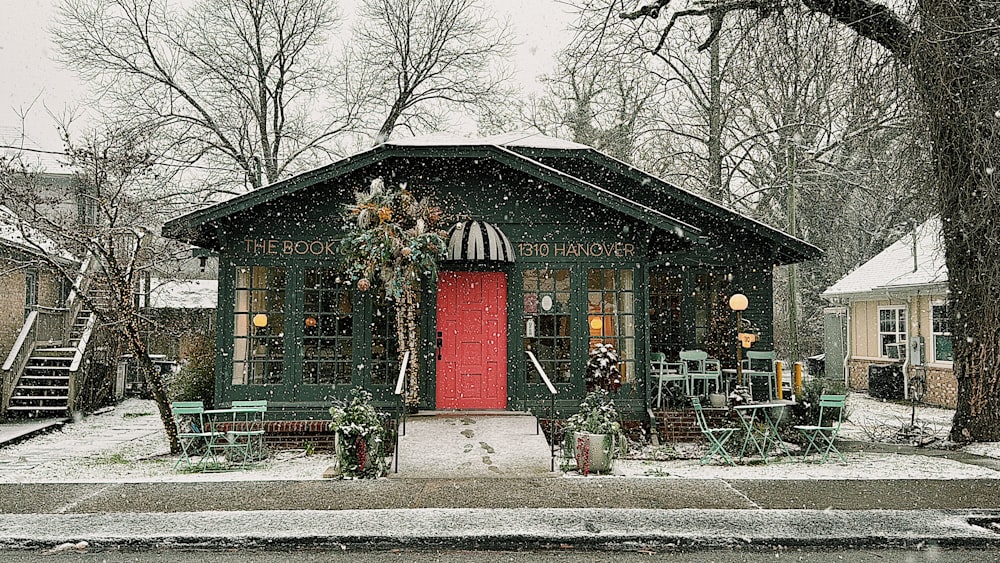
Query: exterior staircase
point(43, 390)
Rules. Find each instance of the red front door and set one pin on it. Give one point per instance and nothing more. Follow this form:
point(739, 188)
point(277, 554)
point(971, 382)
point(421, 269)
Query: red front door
point(472, 340)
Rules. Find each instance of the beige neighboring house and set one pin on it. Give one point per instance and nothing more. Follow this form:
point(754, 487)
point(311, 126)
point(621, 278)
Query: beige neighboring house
point(895, 307)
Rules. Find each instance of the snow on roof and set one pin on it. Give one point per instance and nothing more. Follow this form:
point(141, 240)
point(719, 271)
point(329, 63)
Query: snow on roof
point(183, 294)
point(14, 232)
point(893, 268)
point(527, 139)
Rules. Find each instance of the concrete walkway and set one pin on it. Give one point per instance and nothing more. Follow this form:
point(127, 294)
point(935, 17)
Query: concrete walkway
point(473, 446)
point(13, 432)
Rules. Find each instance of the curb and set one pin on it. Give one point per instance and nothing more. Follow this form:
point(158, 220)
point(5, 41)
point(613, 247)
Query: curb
point(507, 529)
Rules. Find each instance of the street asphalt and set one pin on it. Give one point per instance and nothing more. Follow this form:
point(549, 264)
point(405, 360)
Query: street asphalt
point(518, 512)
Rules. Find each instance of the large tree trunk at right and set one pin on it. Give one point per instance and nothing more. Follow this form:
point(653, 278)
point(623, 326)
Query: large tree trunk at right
point(957, 68)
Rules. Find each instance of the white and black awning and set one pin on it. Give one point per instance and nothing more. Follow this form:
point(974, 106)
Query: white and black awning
point(478, 241)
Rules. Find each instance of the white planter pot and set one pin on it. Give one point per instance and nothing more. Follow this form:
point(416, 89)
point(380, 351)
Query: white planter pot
point(717, 400)
point(594, 452)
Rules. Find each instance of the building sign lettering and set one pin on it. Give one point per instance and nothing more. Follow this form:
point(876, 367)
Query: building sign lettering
point(285, 247)
point(575, 249)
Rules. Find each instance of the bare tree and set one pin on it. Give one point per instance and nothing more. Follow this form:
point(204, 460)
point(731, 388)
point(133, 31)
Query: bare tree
point(601, 95)
point(241, 87)
point(125, 193)
point(416, 60)
point(951, 49)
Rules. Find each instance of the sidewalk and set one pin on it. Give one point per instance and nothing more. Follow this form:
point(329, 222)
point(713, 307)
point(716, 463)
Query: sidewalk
point(464, 482)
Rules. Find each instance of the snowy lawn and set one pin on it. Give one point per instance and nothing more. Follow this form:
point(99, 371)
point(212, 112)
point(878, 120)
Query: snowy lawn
point(128, 444)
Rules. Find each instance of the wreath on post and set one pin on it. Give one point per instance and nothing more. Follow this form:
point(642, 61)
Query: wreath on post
point(393, 236)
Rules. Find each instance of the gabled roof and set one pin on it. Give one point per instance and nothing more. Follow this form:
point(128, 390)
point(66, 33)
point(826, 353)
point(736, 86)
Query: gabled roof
point(576, 168)
point(897, 268)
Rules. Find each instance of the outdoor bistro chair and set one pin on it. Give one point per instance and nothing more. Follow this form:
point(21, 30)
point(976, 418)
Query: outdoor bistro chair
point(759, 365)
point(700, 368)
point(717, 437)
point(192, 433)
point(821, 436)
point(663, 373)
point(245, 436)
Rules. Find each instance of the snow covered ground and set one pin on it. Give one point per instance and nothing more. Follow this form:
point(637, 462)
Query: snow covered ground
point(128, 445)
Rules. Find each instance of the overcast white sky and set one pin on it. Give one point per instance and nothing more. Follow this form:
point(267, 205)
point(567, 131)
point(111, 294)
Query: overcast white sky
point(33, 79)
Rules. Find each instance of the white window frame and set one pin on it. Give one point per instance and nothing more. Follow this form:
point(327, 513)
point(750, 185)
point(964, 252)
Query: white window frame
point(902, 330)
point(932, 356)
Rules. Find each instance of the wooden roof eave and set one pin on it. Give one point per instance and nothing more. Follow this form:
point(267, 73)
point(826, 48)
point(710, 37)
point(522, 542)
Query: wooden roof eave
point(184, 227)
point(797, 250)
point(598, 194)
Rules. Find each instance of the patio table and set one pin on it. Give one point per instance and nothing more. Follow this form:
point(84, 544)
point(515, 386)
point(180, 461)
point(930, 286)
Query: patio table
point(760, 424)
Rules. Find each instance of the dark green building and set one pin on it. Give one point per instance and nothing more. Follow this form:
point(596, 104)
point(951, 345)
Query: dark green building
point(556, 246)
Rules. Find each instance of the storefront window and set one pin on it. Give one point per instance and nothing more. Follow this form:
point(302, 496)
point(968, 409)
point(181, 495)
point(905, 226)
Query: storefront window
point(547, 322)
point(665, 320)
point(327, 335)
point(259, 326)
point(611, 314)
point(385, 344)
point(689, 309)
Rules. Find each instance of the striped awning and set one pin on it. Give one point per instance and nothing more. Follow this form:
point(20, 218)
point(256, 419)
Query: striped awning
point(478, 241)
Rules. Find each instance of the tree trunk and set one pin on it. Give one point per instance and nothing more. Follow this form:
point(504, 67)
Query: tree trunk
point(957, 69)
point(155, 381)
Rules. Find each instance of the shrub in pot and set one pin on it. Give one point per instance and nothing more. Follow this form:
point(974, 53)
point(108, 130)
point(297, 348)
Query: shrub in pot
point(360, 436)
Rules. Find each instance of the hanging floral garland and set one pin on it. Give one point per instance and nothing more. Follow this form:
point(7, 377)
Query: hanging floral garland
point(393, 236)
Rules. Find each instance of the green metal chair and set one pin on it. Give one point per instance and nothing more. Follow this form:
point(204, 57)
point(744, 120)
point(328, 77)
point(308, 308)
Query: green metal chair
point(664, 373)
point(821, 436)
point(193, 434)
point(245, 437)
point(758, 365)
point(717, 437)
point(701, 368)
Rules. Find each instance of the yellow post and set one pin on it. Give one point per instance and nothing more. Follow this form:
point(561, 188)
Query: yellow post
point(778, 377)
point(798, 379)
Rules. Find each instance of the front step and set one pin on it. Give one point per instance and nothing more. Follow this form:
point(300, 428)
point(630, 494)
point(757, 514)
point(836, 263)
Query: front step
point(43, 388)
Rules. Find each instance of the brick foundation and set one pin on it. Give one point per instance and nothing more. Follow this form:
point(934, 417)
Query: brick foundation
point(680, 425)
point(300, 434)
point(942, 385)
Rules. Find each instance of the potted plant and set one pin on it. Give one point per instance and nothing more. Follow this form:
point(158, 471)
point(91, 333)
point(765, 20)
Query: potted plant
point(602, 368)
point(360, 437)
point(593, 432)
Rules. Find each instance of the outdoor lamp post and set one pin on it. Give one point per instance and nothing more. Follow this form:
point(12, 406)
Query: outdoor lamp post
point(738, 302)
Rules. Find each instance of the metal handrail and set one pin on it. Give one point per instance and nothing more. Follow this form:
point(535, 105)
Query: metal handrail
point(552, 408)
point(402, 405)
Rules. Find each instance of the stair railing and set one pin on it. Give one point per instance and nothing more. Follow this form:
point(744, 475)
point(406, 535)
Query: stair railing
point(78, 355)
point(552, 407)
point(399, 392)
point(42, 324)
point(74, 304)
point(17, 359)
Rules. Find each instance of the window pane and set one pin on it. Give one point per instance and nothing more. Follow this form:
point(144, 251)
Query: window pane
point(327, 333)
point(942, 348)
point(546, 323)
point(259, 326)
point(609, 317)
